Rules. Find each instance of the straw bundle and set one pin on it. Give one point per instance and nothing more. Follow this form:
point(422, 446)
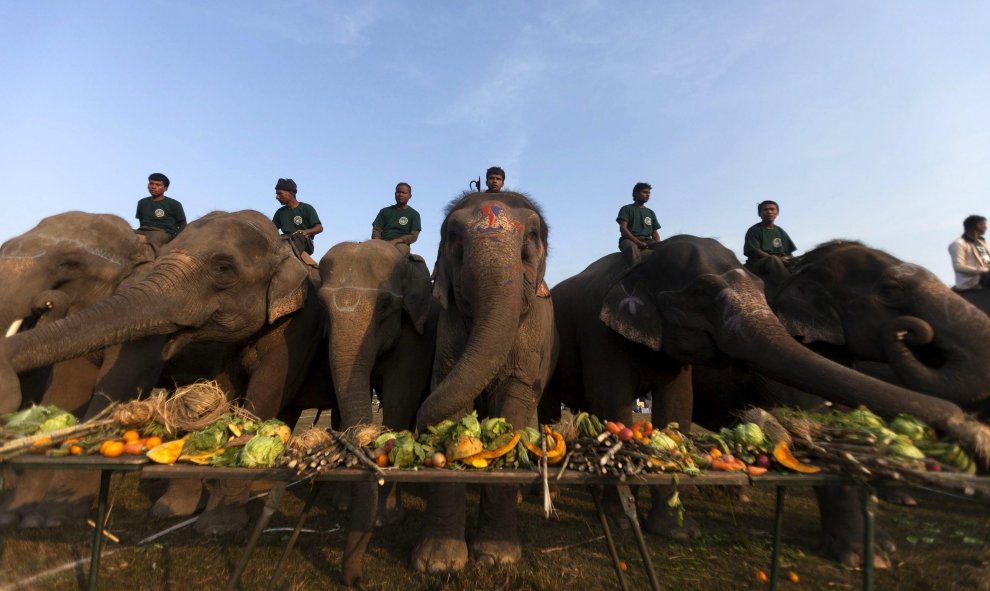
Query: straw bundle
point(189, 408)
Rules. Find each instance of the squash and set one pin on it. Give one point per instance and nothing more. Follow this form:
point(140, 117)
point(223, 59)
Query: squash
point(465, 447)
point(785, 458)
point(498, 452)
point(475, 461)
point(168, 452)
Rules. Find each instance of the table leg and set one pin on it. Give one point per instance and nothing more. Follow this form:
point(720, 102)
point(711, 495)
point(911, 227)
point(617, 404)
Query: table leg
point(101, 515)
point(778, 529)
point(603, 520)
point(313, 493)
point(629, 506)
point(869, 524)
point(271, 505)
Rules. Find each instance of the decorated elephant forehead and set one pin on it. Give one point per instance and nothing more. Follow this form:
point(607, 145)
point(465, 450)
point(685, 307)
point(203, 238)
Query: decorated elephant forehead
point(33, 250)
point(490, 219)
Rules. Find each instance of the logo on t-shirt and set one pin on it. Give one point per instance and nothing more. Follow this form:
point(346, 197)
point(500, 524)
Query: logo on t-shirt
point(648, 221)
point(777, 242)
point(403, 221)
point(159, 213)
point(297, 220)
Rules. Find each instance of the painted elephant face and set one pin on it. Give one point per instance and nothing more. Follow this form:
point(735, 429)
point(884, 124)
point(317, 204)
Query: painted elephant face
point(870, 306)
point(485, 237)
point(68, 261)
point(690, 297)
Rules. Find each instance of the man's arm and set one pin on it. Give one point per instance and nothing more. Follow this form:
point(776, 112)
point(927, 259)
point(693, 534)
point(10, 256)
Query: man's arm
point(376, 233)
point(624, 230)
point(180, 216)
point(751, 246)
point(312, 231)
point(406, 238)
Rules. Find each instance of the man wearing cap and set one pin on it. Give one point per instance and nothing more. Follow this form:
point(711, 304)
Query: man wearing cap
point(398, 224)
point(160, 218)
point(296, 220)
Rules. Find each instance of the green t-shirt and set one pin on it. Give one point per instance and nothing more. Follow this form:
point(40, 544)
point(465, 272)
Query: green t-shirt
point(303, 217)
point(770, 240)
point(641, 221)
point(166, 214)
point(395, 222)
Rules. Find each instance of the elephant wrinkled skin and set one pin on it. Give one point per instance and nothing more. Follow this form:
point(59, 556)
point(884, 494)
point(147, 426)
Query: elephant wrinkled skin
point(626, 332)
point(495, 343)
point(226, 278)
point(381, 328)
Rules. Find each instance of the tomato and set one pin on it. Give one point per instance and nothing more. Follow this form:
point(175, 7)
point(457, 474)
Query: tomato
point(134, 448)
point(131, 436)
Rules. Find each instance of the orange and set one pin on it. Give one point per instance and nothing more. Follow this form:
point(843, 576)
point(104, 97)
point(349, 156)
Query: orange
point(111, 448)
point(382, 460)
point(76, 450)
point(762, 576)
point(131, 436)
point(153, 441)
point(793, 576)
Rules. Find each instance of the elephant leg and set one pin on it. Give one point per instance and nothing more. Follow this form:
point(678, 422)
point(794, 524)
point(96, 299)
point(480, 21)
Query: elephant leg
point(181, 498)
point(226, 509)
point(672, 403)
point(69, 498)
point(442, 546)
point(841, 510)
point(25, 496)
point(359, 530)
point(497, 540)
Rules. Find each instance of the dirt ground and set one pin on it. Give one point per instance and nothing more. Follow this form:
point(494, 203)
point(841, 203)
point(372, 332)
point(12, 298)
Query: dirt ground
point(943, 544)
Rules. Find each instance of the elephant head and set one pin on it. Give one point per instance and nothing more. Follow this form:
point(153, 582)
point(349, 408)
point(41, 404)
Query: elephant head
point(223, 279)
point(488, 279)
point(692, 300)
point(369, 290)
point(870, 306)
point(66, 262)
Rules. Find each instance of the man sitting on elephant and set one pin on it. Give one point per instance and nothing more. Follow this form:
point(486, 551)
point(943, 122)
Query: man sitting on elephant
point(398, 224)
point(638, 227)
point(768, 248)
point(970, 256)
point(296, 220)
point(494, 179)
point(160, 218)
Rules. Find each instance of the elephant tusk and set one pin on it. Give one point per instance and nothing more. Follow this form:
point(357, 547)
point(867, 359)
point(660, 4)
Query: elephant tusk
point(14, 327)
point(901, 334)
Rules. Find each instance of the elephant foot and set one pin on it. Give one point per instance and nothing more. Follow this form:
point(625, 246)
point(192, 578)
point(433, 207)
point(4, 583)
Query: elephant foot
point(434, 555)
point(180, 500)
point(849, 552)
point(221, 520)
point(31, 521)
point(490, 552)
point(56, 515)
point(663, 522)
point(8, 518)
point(340, 498)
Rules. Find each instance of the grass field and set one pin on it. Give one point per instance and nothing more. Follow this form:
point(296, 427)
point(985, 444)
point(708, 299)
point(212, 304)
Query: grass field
point(943, 544)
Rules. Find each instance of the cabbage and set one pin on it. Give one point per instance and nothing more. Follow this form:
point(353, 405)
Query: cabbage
point(59, 420)
point(748, 434)
point(261, 452)
point(228, 458)
point(862, 417)
point(468, 425)
point(209, 439)
point(384, 437)
point(29, 420)
point(661, 441)
point(274, 428)
point(406, 453)
point(492, 428)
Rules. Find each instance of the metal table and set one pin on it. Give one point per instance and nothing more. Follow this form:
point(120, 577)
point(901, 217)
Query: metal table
point(106, 466)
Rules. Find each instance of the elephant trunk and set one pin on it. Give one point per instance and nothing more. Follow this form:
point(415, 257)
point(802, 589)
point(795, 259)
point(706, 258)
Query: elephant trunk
point(139, 311)
point(780, 357)
point(351, 362)
point(964, 375)
point(496, 301)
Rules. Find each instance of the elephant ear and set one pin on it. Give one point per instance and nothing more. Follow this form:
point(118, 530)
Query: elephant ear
point(287, 290)
point(806, 310)
point(629, 311)
point(416, 291)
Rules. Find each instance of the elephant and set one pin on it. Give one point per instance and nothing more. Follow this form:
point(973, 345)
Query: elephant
point(381, 328)
point(865, 308)
point(226, 278)
point(495, 351)
point(628, 331)
point(65, 263)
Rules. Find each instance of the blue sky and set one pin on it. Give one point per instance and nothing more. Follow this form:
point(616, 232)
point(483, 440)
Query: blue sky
point(868, 121)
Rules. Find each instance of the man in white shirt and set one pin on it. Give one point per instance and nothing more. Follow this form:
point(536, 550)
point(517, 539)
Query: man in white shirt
point(971, 256)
